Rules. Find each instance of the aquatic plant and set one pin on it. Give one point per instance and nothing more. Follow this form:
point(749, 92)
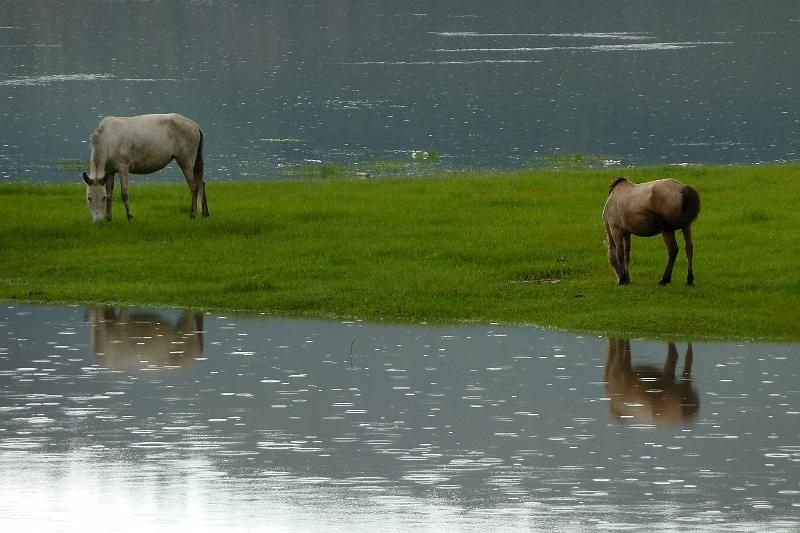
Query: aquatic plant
point(573, 160)
point(71, 164)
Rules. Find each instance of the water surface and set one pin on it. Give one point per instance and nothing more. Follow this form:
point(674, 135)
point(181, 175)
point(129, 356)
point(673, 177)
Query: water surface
point(278, 85)
point(122, 419)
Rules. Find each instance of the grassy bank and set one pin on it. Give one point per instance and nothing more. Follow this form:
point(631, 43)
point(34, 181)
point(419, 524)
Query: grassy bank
point(518, 247)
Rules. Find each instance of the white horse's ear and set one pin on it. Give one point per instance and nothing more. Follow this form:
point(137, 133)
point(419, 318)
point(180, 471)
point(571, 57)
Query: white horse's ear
point(103, 180)
point(87, 179)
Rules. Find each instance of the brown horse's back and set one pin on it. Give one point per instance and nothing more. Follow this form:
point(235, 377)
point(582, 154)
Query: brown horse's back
point(649, 208)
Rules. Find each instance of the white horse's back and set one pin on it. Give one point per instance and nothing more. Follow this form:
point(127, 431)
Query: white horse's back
point(147, 143)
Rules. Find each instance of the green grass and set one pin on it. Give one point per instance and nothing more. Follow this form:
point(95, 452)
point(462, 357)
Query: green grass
point(519, 247)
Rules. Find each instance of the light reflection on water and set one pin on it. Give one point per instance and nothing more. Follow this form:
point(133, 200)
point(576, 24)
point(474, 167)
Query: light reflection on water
point(142, 418)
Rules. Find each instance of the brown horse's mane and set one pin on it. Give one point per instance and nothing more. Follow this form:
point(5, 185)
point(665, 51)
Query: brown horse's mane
point(615, 183)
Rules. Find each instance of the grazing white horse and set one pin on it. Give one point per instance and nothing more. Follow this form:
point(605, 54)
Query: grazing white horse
point(142, 145)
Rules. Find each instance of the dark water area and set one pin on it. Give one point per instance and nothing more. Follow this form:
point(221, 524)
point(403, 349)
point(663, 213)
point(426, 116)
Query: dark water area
point(277, 85)
point(117, 419)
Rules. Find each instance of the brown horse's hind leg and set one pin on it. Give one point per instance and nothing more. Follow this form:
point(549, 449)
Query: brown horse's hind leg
point(687, 237)
point(672, 251)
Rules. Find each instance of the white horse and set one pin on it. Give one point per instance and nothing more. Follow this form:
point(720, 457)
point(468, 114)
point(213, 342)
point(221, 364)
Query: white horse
point(122, 339)
point(142, 145)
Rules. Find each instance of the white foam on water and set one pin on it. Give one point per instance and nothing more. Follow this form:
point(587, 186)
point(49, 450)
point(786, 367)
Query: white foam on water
point(53, 78)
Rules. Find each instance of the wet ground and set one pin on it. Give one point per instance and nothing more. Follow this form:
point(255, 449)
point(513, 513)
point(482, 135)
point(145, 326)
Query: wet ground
point(116, 419)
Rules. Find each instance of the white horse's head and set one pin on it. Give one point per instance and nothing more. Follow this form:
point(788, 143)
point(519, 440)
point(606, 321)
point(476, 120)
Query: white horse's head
point(96, 196)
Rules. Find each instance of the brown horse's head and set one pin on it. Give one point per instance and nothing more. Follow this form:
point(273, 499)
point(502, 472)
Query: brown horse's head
point(96, 196)
point(615, 183)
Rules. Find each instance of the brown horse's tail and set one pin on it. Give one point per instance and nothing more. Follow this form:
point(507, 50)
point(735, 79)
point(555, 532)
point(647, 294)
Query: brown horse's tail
point(690, 205)
point(198, 161)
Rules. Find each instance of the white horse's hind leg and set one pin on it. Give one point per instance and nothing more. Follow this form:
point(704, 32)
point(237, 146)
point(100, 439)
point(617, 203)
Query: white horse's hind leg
point(188, 173)
point(202, 194)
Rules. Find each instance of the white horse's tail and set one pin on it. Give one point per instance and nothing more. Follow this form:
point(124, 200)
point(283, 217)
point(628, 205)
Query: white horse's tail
point(198, 161)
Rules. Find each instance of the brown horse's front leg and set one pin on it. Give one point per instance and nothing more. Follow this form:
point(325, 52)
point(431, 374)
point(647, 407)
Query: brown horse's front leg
point(672, 253)
point(627, 249)
point(616, 253)
point(611, 246)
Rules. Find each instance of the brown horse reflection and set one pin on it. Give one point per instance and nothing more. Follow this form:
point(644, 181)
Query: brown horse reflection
point(646, 393)
point(126, 340)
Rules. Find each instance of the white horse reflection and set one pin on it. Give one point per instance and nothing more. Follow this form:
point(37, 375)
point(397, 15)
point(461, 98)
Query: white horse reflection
point(648, 394)
point(126, 340)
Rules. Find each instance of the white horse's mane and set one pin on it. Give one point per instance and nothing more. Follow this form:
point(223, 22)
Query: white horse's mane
point(98, 162)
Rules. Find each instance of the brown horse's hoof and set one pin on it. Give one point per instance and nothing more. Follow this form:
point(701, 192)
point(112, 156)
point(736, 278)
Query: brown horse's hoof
point(664, 281)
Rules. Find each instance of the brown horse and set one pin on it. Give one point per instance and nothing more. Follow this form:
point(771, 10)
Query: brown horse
point(646, 393)
point(648, 209)
point(142, 145)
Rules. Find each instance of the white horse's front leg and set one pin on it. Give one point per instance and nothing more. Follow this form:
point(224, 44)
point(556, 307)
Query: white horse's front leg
point(109, 195)
point(123, 183)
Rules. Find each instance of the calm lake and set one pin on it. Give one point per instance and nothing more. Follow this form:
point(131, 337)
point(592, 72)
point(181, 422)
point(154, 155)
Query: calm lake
point(280, 87)
point(116, 419)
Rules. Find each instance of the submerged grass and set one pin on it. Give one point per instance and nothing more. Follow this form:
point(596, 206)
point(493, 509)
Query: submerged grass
point(517, 247)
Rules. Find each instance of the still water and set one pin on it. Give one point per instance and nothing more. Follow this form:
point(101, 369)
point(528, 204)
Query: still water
point(486, 84)
point(116, 419)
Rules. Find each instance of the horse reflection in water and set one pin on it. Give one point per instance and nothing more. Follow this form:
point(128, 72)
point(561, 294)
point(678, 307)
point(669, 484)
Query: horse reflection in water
point(646, 393)
point(126, 340)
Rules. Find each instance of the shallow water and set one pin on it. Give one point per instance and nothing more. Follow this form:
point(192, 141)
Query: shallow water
point(280, 84)
point(123, 419)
